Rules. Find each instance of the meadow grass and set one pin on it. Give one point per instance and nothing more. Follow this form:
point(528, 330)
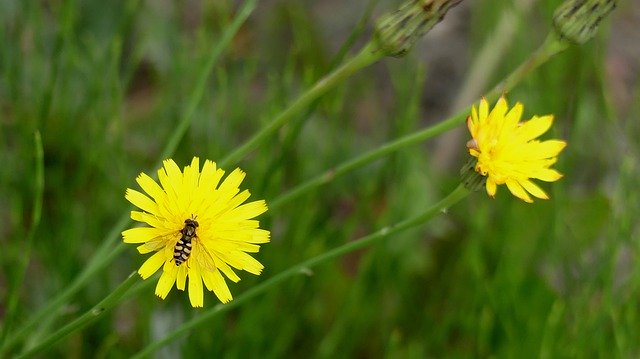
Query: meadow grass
point(111, 88)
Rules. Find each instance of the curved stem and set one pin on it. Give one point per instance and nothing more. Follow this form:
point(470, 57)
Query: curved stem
point(303, 268)
point(365, 57)
point(87, 318)
point(367, 158)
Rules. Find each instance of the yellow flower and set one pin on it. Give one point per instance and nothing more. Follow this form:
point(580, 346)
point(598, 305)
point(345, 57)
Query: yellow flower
point(198, 228)
point(507, 151)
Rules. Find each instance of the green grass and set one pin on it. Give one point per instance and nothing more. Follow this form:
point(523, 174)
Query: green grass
point(106, 85)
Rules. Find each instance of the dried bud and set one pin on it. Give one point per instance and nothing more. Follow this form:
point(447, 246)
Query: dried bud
point(398, 31)
point(471, 179)
point(578, 20)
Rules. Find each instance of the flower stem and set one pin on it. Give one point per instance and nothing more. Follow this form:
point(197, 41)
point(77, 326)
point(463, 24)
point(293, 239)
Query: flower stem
point(367, 158)
point(552, 46)
point(110, 248)
point(368, 55)
point(548, 49)
point(441, 207)
point(87, 318)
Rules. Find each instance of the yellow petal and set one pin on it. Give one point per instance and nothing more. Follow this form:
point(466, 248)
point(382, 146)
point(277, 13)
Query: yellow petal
point(517, 190)
point(547, 175)
point(491, 187)
point(168, 277)
point(546, 149)
point(233, 181)
point(498, 112)
point(260, 236)
point(196, 295)
point(224, 268)
point(220, 287)
point(512, 118)
point(141, 201)
point(230, 254)
point(535, 127)
point(534, 189)
point(149, 219)
point(471, 125)
point(483, 110)
point(248, 210)
point(207, 278)
point(191, 174)
point(210, 177)
point(181, 277)
point(151, 187)
point(152, 264)
point(148, 248)
point(141, 234)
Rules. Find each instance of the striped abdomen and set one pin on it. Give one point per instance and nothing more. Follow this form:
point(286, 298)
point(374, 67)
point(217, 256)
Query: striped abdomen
point(182, 249)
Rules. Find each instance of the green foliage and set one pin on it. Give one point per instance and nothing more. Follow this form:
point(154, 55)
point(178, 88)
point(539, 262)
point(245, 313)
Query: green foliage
point(105, 83)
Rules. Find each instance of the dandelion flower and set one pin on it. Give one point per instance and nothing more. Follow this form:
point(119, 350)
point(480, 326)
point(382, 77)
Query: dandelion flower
point(507, 151)
point(198, 226)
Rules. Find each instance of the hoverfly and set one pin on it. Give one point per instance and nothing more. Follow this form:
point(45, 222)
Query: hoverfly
point(186, 245)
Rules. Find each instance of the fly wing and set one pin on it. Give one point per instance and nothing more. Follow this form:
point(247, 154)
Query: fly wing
point(159, 242)
point(203, 256)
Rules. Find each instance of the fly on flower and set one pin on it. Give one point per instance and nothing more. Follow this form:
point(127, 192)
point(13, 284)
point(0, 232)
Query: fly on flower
point(199, 228)
point(508, 152)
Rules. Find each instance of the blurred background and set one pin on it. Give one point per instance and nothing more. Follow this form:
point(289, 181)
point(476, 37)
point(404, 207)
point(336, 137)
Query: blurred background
point(106, 82)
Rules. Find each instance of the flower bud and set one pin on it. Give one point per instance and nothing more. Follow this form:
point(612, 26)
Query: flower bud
point(578, 20)
point(397, 32)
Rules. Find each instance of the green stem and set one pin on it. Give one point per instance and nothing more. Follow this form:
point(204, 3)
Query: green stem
point(552, 46)
point(549, 48)
point(368, 55)
point(109, 247)
point(441, 207)
point(87, 318)
point(14, 295)
point(367, 158)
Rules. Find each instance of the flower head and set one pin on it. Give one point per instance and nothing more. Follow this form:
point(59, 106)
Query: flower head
point(397, 32)
point(198, 226)
point(507, 151)
point(578, 20)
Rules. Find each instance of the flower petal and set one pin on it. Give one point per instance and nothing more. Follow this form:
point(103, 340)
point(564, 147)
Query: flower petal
point(196, 294)
point(151, 187)
point(141, 234)
point(248, 210)
point(546, 149)
point(491, 187)
point(547, 175)
point(152, 264)
point(535, 127)
point(499, 111)
point(181, 277)
point(516, 189)
point(218, 285)
point(141, 201)
point(534, 189)
point(167, 279)
point(228, 272)
point(483, 112)
point(512, 118)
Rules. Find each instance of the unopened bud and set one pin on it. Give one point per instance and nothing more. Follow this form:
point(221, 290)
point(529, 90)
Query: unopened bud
point(398, 31)
point(578, 20)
